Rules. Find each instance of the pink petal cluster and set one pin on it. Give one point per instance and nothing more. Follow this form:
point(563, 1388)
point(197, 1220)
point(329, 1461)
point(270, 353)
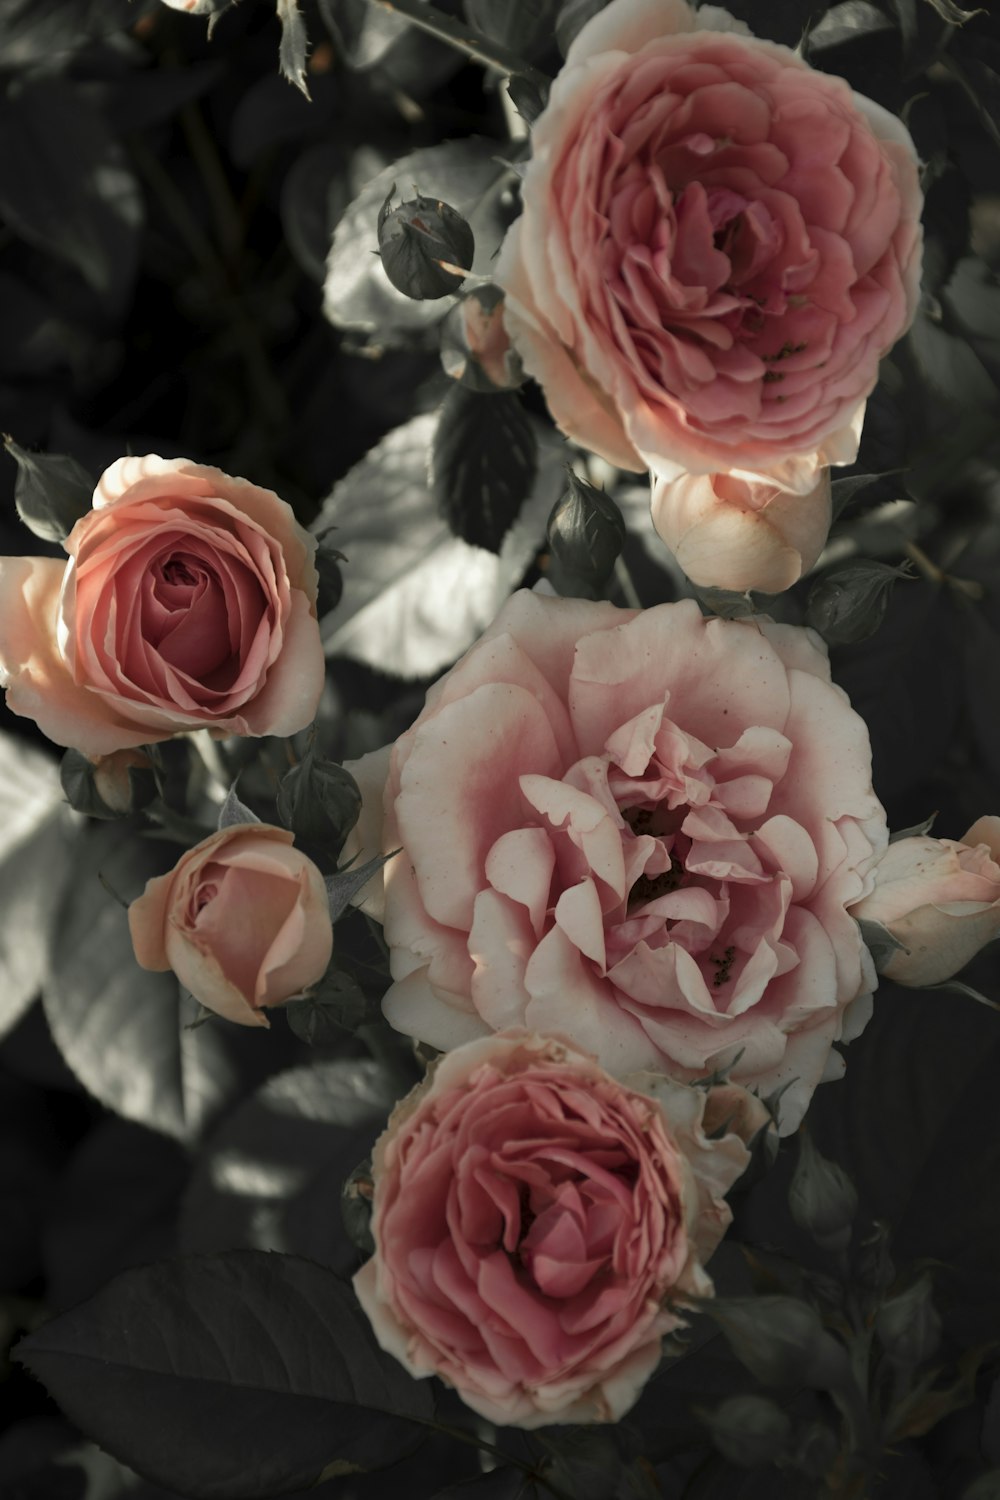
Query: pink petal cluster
point(640, 830)
point(940, 898)
point(243, 920)
point(717, 245)
point(189, 601)
point(533, 1218)
point(730, 533)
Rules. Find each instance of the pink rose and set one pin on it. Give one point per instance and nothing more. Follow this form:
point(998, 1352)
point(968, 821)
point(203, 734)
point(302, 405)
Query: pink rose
point(717, 246)
point(189, 601)
point(533, 1219)
point(940, 899)
point(640, 830)
point(730, 533)
point(242, 919)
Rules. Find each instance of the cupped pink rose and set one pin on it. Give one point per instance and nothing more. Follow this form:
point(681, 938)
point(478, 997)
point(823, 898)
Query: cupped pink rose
point(638, 829)
point(535, 1221)
point(243, 920)
point(189, 601)
point(940, 898)
point(716, 247)
point(729, 533)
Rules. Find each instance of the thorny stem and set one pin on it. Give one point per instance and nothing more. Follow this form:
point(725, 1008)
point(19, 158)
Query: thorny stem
point(456, 34)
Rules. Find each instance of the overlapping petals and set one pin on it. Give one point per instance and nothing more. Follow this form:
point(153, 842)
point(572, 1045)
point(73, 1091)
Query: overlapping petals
point(534, 1219)
point(638, 830)
point(716, 247)
point(189, 601)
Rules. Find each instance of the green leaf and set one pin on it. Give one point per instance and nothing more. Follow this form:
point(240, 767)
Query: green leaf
point(973, 295)
point(65, 186)
point(954, 14)
point(52, 491)
point(229, 1377)
point(292, 52)
point(337, 1005)
point(234, 812)
point(37, 835)
point(415, 596)
point(950, 368)
point(846, 23)
point(270, 1177)
point(483, 464)
point(320, 802)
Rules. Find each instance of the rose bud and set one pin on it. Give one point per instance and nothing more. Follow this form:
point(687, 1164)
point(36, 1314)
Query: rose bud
point(939, 898)
point(475, 349)
point(536, 1222)
point(909, 1326)
point(822, 1198)
point(413, 241)
point(188, 602)
point(749, 1430)
point(586, 533)
point(242, 919)
point(717, 245)
point(109, 786)
point(729, 533)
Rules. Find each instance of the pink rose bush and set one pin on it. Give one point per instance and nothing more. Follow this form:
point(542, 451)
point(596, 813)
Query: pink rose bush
point(940, 898)
point(717, 245)
point(535, 1221)
point(189, 601)
point(242, 919)
point(637, 829)
point(731, 533)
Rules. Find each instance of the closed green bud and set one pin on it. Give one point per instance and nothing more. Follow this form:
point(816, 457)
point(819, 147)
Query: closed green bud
point(586, 533)
point(822, 1198)
point(781, 1341)
point(51, 492)
point(873, 1267)
point(848, 604)
point(320, 802)
point(331, 580)
point(749, 1430)
point(418, 240)
point(908, 1326)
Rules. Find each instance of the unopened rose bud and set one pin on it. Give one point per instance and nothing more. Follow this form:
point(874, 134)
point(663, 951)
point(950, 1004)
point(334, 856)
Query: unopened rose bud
point(417, 240)
point(939, 899)
point(781, 1341)
point(908, 1326)
point(738, 534)
point(108, 786)
point(475, 349)
point(848, 604)
point(749, 1430)
point(822, 1198)
point(586, 533)
point(320, 802)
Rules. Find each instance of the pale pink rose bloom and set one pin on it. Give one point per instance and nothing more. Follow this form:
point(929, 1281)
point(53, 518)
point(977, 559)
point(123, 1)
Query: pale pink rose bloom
point(189, 601)
point(640, 830)
point(730, 533)
point(717, 246)
point(534, 1220)
point(243, 919)
point(940, 898)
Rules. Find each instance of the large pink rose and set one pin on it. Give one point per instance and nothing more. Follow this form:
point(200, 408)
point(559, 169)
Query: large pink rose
point(638, 829)
point(532, 1220)
point(189, 601)
point(940, 898)
point(243, 919)
point(717, 246)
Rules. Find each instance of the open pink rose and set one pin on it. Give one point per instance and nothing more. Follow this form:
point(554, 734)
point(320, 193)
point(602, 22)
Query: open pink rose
point(189, 601)
point(730, 533)
point(532, 1220)
point(717, 246)
point(640, 830)
point(243, 920)
point(940, 898)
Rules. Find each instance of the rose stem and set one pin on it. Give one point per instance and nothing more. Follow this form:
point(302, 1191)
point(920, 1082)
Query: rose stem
point(456, 34)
